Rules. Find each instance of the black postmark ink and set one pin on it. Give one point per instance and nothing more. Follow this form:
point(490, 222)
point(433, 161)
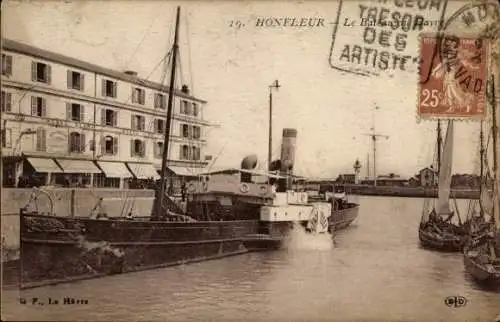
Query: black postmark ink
point(481, 20)
point(468, 16)
point(374, 37)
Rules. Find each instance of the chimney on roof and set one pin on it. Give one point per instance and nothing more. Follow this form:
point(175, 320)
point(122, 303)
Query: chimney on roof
point(131, 73)
point(185, 89)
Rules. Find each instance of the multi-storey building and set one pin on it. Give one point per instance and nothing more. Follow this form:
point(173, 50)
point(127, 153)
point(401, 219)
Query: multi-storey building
point(66, 119)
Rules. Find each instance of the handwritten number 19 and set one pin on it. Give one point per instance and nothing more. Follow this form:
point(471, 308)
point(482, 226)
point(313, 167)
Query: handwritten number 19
point(432, 95)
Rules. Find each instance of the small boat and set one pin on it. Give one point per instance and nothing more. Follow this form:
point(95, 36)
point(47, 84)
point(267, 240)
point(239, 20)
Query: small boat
point(482, 250)
point(437, 231)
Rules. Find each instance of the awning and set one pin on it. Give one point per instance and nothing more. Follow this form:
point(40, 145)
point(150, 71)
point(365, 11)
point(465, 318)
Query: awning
point(143, 170)
point(78, 166)
point(44, 165)
point(184, 171)
point(114, 169)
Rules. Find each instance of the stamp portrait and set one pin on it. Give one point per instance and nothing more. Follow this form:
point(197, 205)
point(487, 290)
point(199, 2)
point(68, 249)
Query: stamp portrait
point(458, 74)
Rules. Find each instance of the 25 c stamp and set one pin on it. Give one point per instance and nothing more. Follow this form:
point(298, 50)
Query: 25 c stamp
point(453, 83)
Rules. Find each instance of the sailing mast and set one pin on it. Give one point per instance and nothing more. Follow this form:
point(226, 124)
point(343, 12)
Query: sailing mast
point(439, 148)
point(496, 209)
point(160, 193)
point(481, 169)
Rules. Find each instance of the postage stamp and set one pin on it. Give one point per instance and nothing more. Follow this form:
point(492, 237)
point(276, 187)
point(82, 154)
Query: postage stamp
point(456, 87)
point(381, 37)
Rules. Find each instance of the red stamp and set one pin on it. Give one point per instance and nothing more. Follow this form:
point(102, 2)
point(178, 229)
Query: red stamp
point(453, 80)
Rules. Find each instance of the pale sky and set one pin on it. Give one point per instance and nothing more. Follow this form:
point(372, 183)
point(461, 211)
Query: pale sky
point(232, 68)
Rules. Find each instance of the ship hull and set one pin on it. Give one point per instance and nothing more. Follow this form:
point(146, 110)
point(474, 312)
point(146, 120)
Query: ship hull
point(64, 249)
point(479, 271)
point(342, 218)
point(59, 249)
point(433, 241)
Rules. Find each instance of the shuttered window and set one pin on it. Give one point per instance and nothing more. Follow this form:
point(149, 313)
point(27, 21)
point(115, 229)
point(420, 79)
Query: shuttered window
point(6, 65)
point(41, 72)
point(76, 142)
point(41, 139)
point(76, 80)
point(6, 101)
point(38, 106)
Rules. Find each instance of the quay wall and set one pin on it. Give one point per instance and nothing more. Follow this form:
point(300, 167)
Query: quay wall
point(410, 192)
point(115, 203)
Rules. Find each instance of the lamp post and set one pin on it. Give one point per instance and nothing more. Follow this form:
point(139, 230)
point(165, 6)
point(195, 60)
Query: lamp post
point(19, 165)
point(276, 86)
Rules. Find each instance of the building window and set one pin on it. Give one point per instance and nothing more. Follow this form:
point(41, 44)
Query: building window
point(92, 145)
point(38, 106)
point(138, 122)
point(6, 138)
point(108, 88)
point(6, 101)
point(6, 65)
point(110, 145)
point(195, 109)
point(185, 130)
point(41, 139)
point(40, 72)
point(160, 101)
point(196, 132)
point(137, 148)
point(76, 142)
point(109, 117)
point(75, 112)
point(185, 107)
point(138, 95)
point(75, 80)
point(160, 126)
point(184, 153)
point(159, 150)
point(195, 155)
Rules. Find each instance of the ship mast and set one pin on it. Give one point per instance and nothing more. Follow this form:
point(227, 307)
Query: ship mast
point(374, 135)
point(481, 169)
point(160, 193)
point(439, 144)
point(495, 155)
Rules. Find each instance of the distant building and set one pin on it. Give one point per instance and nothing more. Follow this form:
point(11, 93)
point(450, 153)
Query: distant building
point(66, 119)
point(413, 182)
point(346, 178)
point(427, 177)
point(387, 180)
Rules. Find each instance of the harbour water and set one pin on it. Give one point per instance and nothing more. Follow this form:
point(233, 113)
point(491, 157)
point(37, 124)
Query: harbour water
point(373, 271)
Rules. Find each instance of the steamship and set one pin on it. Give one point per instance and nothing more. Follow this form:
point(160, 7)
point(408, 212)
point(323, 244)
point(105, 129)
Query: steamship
point(224, 215)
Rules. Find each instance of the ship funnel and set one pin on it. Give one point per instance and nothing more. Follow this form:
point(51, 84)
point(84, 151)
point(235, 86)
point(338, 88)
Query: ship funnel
point(288, 146)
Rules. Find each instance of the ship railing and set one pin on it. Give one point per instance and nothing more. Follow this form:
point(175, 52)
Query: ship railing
point(35, 194)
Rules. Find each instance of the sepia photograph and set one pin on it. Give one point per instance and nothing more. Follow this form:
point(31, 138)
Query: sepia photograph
point(250, 160)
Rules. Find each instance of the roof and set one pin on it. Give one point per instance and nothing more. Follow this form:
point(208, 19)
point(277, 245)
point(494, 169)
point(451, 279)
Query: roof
point(427, 169)
point(236, 170)
point(22, 48)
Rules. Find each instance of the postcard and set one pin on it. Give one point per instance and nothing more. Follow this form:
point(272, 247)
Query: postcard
point(250, 160)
